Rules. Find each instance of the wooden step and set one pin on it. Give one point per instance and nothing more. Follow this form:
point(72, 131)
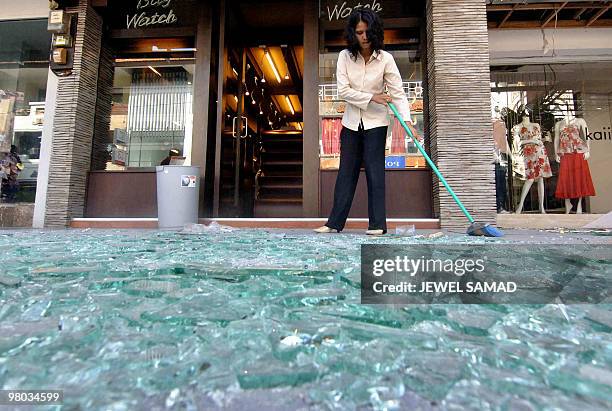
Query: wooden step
point(283, 163)
point(282, 185)
point(294, 200)
point(282, 149)
point(283, 173)
point(282, 140)
point(278, 178)
point(283, 157)
point(279, 194)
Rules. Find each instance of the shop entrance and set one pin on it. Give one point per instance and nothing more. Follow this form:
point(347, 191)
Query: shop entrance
point(259, 150)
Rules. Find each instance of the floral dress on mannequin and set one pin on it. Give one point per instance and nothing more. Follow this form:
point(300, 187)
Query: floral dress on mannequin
point(534, 155)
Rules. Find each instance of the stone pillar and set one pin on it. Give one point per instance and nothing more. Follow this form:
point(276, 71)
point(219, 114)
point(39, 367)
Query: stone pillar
point(459, 102)
point(74, 123)
point(102, 136)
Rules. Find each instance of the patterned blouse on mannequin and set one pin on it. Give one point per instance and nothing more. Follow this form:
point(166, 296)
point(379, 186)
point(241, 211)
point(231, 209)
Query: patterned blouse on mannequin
point(570, 141)
point(534, 154)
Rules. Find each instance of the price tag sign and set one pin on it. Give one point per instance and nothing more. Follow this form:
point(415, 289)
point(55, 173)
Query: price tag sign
point(394, 162)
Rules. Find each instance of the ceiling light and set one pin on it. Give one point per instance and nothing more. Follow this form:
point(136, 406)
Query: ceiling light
point(271, 62)
point(287, 76)
point(157, 49)
point(155, 71)
point(288, 100)
point(148, 59)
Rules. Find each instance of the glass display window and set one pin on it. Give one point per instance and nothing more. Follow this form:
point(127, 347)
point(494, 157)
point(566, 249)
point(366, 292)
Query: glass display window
point(552, 130)
point(24, 68)
point(400, 151)
point(152, 115)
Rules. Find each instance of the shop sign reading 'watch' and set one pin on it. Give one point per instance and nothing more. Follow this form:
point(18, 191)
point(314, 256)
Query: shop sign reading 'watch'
point(152, 13)
point(339, 10)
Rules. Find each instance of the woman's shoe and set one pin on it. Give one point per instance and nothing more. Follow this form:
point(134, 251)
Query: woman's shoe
point(375, 232)
point(325, 230)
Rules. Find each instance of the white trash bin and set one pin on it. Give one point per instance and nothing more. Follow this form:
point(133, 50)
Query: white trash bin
point(178, 189)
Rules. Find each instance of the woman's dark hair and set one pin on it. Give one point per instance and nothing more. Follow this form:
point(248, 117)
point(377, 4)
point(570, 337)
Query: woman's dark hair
point(376, 32)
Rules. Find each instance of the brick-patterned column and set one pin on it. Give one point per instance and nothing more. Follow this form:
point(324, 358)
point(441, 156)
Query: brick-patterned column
point(459, 101)
point(74, 121)
point(102, 137)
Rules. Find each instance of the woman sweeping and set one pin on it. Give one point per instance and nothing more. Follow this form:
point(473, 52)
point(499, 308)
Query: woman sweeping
point(363, 71)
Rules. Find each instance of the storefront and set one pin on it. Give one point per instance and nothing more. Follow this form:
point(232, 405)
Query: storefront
point(246, 90)
point(558, 79)
point(257, 157)
point(406, 169)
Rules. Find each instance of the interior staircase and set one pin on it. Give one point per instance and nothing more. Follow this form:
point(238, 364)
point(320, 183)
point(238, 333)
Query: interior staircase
point(279, 179)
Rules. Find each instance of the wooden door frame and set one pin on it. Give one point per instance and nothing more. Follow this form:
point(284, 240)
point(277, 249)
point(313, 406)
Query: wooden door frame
point(310, 170)
point(222, 69)
point(201, 82)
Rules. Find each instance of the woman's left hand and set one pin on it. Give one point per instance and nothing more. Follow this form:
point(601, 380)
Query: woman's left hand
point(382, 99)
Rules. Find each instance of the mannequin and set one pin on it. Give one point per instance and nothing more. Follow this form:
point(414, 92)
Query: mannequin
point(537, 166)
point(572, 150)
point(501, 154)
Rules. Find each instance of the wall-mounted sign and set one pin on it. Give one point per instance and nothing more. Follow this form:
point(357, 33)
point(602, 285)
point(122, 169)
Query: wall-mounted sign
point(604, 134)
point(152, 14)
point(339, 10)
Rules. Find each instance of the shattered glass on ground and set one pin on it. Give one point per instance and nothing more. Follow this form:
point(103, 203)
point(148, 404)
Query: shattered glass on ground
point(254, 319)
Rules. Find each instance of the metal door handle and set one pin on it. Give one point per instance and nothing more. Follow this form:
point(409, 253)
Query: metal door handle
point(246, 127)
point(234, 127)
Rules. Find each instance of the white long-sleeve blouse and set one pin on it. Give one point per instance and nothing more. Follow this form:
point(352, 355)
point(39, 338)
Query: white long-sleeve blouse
point(358, 82)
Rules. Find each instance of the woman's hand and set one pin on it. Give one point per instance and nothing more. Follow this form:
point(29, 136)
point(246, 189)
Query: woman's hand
point(381, 99)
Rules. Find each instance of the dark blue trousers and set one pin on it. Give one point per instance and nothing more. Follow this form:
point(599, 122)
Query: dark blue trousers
point(367, 146)
point(501, 192)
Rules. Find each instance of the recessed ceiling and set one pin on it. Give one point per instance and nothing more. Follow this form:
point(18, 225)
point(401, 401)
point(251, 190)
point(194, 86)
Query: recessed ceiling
point(513, 14)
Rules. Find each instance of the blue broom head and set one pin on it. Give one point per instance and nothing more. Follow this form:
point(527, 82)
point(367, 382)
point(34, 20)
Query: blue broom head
point(484, 230)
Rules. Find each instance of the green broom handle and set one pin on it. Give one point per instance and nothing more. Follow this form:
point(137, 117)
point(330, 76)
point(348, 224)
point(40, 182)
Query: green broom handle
point(431, 164)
